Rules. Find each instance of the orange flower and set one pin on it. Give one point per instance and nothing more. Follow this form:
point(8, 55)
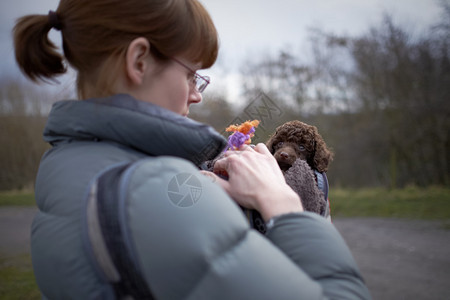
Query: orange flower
point(242, 134)
point(245, 127)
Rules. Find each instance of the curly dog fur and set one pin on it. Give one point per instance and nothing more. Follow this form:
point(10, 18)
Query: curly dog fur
point(296, 140)
point(301, 179)
point(299, 149)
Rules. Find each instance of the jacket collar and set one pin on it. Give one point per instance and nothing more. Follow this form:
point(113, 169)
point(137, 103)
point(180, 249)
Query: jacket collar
point(140, 125)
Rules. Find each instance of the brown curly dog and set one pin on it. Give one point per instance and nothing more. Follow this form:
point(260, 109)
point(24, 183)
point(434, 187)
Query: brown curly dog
point(294, 140)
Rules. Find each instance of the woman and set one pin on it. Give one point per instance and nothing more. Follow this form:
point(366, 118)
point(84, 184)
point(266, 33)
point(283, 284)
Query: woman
point(123, 207)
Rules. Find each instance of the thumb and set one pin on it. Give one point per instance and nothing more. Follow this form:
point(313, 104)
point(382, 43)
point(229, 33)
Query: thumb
point(262, 148)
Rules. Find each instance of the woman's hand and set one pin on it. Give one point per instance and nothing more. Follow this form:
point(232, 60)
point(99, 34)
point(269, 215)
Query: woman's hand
point(256, 182)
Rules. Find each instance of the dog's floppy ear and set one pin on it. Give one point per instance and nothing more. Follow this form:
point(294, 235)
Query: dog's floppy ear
point(322, 156)
point(269, 143)
point(273, 140)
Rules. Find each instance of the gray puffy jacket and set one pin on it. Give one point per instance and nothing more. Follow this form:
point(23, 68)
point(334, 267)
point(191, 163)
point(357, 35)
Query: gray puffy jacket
point(188, 239)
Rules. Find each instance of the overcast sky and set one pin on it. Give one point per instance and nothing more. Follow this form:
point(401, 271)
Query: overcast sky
point(247, 27)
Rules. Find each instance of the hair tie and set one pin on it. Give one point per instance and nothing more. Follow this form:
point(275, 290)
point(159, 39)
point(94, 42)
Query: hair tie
point(54, 20)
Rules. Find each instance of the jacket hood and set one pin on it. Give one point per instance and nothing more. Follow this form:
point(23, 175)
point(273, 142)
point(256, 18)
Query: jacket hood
point(146, 127)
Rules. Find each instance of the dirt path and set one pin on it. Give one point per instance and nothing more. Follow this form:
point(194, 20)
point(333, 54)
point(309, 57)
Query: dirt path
point(399, 259)
point(15, 224)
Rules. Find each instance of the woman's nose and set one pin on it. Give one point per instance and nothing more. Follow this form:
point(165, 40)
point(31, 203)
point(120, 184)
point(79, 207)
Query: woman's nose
point(195, 96)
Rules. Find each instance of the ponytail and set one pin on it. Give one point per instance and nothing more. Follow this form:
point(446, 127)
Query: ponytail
point(35, 54)
point(96, 35)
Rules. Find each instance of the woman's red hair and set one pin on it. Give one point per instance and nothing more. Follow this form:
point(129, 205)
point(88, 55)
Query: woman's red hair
point(96, 35)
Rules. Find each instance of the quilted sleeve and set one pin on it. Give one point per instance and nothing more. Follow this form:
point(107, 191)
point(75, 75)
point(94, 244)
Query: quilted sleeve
point(193, 242)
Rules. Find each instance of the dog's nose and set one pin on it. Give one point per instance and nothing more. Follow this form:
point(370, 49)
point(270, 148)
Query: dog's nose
point(284, 155)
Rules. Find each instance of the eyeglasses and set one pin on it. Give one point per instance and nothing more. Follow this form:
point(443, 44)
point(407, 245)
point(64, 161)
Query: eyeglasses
point(200, 82)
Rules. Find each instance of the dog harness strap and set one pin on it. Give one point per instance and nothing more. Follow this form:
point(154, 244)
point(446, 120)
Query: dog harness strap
point(322, 184)
point(319, 180)
point(325, 186)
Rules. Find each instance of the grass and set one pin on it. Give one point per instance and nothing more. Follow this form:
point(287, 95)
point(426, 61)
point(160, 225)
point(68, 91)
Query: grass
point(17, 198)
point(17, 279)
point(409, 203)
point(16, 273)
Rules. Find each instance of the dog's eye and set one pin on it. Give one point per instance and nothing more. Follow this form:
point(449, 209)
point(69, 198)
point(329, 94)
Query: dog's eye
point(279, 144)
point(301, 148)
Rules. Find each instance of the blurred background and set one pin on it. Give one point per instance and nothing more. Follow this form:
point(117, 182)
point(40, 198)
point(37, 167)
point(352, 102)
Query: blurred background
point(373, 76)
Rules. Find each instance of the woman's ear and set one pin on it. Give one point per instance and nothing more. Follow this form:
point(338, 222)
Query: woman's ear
point(137, 60)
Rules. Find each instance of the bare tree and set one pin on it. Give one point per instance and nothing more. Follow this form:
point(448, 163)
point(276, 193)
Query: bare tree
point(381, 98)
point(21, 126)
